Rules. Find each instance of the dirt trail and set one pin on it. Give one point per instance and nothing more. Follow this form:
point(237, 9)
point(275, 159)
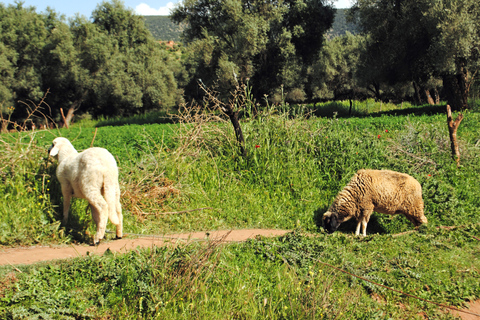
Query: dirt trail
point(15, 256)
point(18, 256)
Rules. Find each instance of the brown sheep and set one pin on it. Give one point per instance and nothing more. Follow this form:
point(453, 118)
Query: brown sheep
point(383, 191)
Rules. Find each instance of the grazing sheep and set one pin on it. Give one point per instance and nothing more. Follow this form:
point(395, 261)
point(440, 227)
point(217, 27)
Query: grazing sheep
point(91, 175)
point(383, 191)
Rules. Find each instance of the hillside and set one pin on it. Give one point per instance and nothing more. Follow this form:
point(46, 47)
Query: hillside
point(340, 25)
point(162, 28)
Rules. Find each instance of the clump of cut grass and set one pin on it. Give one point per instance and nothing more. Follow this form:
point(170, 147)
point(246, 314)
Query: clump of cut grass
point(150, 193)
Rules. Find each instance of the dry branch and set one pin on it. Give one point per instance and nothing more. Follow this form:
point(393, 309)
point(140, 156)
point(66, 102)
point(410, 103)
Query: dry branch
point(175, 212)
point(452, 129)
point(231, 109)
point(94, 136)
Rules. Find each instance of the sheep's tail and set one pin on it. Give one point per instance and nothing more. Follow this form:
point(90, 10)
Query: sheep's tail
point(110, 189)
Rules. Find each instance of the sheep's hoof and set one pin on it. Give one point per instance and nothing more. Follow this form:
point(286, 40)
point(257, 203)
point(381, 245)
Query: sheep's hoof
point(118, 238)
point(96, 244)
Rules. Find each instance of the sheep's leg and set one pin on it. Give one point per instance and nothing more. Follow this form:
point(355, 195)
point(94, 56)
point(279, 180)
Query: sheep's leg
point(96, 219)
point(364, 226)
point(359, 223)
point(67, 197)
point(100, 216)
point(119, 226)
point(364, 221)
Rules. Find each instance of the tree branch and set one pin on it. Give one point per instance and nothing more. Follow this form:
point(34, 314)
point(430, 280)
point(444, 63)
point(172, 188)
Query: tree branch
point(452, 129)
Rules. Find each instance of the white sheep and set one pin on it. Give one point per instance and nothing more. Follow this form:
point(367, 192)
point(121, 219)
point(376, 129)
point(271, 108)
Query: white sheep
point(91, 175)
point(383, 191)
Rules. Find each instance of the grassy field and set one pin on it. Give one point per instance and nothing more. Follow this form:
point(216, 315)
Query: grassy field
point(295, 165)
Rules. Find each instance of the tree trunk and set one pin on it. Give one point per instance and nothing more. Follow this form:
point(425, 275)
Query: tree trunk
point(68, 119)
point(236, 126)
point(456, 89)
point(452, 129)
point(375, 90)
point(429, 97)
point(437, 95)
point(418, 96)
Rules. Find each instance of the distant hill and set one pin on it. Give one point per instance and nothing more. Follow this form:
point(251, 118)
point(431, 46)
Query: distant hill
point(341, 26)
point(162, 28)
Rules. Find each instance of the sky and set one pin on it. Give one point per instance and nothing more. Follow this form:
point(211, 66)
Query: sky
point(141, 7)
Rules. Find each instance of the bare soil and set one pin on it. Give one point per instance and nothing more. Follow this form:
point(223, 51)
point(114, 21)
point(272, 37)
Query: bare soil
point(29, 255)
point(474, 307)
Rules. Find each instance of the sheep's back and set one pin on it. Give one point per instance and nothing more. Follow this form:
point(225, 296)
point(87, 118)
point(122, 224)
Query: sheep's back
point(97, 160)
point(89, 167)
point(390, 191)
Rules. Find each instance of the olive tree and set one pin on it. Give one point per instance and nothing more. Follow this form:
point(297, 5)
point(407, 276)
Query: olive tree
point(271, 43)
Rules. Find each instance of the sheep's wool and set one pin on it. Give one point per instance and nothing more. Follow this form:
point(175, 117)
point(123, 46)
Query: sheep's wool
point(383, 191)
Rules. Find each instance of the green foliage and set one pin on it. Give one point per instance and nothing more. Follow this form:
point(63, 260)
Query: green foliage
point(293, 170)
point(108, 66)
point(23, 36)
point(332, 75)
point(163, 28)
point(286, 277)
point(271, 43)
point(118, 43)
point(421, 41)
point(27, 212)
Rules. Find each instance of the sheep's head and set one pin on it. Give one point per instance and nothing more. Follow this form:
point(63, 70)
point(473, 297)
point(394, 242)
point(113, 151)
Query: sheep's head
point(330, 221)
point(60, 144)
point(53, 151)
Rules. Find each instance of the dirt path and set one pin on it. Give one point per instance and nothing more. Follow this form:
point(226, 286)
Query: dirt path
point(15, 256)
point(18, 256)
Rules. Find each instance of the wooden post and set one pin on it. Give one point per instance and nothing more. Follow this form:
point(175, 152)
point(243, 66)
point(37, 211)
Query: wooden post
point(452, 129)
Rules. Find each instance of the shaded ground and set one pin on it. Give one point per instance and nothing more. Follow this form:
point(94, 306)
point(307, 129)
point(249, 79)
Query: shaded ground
point(15, 256)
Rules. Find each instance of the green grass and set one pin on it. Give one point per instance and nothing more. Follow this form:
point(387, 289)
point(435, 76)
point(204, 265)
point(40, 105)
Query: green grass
point(263, 278)
point(294, 168)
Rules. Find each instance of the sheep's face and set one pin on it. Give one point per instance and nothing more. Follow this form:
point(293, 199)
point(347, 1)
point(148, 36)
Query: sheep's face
point(53, 150)
point(59, 144)
point(330, 222)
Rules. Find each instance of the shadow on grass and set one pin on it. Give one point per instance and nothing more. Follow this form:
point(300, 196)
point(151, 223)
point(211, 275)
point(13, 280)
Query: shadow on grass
point(161, 117)
point(337, 109)
point(79, 218)
point(349, 226)
point(328, 110)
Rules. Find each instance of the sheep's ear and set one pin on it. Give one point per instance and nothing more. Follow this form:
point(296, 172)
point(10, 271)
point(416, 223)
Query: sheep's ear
point(53, 151)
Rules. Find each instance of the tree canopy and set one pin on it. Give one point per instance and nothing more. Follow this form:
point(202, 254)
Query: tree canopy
point(270, 43)
point(109, 65)
point(418, 41)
